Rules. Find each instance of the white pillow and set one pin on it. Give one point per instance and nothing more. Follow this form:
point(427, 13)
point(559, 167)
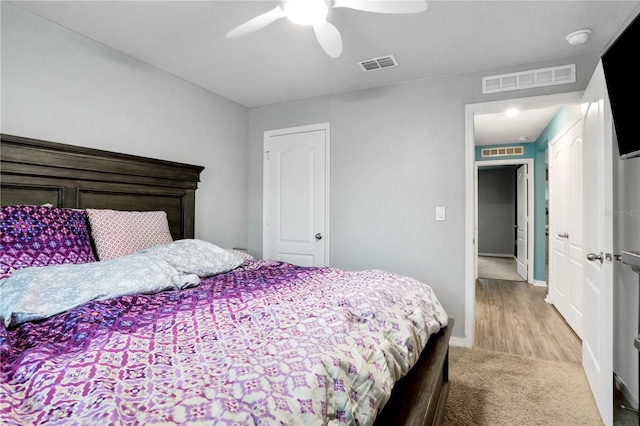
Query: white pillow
point(241, 254)
point(192, 256)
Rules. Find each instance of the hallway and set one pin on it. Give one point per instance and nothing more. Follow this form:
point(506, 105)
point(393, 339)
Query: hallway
point(513, 317)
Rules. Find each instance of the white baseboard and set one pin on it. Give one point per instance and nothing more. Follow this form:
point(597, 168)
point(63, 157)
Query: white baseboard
point(539, 283)
point(497, 255)
point(619, 384)
point(459, 341)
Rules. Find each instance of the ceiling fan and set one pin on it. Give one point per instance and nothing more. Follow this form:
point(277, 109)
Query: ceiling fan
point(314, 13)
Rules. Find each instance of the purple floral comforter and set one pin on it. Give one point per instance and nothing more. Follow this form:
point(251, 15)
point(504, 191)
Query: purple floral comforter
point(268, 343)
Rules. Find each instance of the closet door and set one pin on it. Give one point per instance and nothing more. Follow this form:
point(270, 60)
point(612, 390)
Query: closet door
point(296, 195)
point(565, 224)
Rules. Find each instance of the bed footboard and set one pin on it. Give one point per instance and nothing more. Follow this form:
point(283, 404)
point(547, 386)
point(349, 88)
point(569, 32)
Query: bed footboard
point(420, 398)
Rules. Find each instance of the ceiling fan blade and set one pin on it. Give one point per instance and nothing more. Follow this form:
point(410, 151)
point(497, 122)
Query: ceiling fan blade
point(257, 23)
point(329, 38)
point(386, 6)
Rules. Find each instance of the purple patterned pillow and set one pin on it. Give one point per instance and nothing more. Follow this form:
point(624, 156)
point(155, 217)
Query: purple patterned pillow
point(41, 236)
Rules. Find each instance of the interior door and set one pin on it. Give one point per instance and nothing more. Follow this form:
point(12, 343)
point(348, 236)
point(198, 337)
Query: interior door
point(522, 210)
point(296, 201)
point(566, 283)
point(558, 215)
point(597, 339)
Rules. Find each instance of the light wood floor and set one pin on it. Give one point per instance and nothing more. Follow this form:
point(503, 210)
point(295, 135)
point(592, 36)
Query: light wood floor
point(513, 317)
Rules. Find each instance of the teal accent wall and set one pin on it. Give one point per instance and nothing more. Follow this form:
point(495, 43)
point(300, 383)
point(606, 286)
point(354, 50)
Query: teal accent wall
point(537, 151)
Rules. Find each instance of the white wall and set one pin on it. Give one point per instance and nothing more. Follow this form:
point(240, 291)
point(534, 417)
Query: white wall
point(63, 87)
point(396, 153)
point(626, 218)
point(626, 283)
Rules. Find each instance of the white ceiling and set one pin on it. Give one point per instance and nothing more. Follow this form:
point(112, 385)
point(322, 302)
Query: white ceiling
point(497, 128)
point(284, 62)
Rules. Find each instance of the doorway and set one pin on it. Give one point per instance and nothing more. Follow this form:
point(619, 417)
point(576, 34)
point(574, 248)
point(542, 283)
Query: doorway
point(504, 248)
point(471, 189)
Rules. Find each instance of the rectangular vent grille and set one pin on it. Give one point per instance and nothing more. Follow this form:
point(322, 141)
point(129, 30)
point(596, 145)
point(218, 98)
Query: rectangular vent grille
point(502, 151)
point(378, 63)
point(528, 79)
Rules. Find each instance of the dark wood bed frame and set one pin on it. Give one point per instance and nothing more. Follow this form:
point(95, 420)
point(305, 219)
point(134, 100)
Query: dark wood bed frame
point(40, 172)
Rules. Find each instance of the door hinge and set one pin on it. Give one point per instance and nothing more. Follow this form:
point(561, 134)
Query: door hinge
point(266, 153)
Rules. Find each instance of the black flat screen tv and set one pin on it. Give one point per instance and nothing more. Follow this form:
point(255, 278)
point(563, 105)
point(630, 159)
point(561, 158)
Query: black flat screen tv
point(623, 85)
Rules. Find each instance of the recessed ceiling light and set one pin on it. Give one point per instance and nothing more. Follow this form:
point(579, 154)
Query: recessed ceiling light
point(578, 37)
point(522, 139)
point(512, 112)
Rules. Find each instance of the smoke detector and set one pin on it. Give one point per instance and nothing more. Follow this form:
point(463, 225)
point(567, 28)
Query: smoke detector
point(579, 37)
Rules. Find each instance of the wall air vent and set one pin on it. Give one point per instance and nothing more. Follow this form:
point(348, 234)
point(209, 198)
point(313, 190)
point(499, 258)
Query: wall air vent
point(388, 61)
point(502, 151)
point(528, 79)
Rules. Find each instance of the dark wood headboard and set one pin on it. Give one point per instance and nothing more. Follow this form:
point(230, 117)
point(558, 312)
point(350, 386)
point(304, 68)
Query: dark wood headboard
point(38, 172)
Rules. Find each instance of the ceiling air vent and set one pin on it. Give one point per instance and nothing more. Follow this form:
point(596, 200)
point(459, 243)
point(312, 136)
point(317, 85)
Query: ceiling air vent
point(528, 79)
point(502, 151)
point(378, 63)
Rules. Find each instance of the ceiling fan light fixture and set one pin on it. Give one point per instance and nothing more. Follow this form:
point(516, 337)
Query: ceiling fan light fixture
point(578, 37)
point(314, 13)
point(306, 12)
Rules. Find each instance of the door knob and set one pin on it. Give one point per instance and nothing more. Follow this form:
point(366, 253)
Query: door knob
point(318, 236)
point(592, 257)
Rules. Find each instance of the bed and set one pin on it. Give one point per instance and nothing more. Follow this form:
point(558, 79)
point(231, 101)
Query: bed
point(237, 340)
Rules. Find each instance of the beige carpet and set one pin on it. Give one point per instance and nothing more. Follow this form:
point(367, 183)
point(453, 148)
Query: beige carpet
point(494, 388)
point(498, 268)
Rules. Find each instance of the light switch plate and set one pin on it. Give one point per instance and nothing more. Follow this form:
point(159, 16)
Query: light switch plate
point(440, 213)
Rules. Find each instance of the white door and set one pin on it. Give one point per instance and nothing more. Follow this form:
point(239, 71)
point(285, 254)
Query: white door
point(597, 336)
point(566, 281)
point(558, 213)
point(521, 220)
point(296, 195)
